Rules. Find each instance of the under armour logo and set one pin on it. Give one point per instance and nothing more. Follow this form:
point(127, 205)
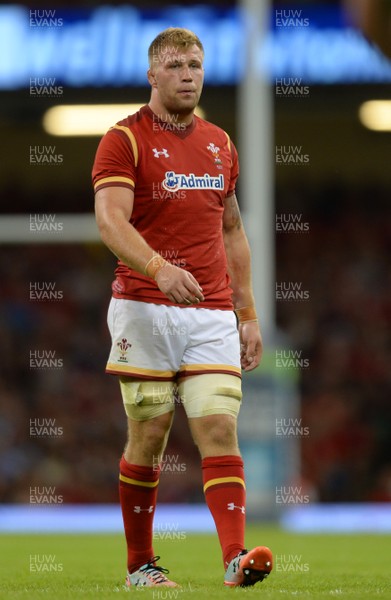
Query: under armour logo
point(138, 509)
point(163, 152)
point(232, 506)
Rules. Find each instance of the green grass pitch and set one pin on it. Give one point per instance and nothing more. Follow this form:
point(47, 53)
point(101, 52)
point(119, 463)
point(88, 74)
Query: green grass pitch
point(92, 566)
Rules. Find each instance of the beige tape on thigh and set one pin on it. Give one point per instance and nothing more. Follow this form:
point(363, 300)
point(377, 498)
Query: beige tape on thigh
point(211, 394)
point(146, 399)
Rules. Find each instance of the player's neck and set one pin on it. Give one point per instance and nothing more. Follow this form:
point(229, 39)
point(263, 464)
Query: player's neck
point(173, 118)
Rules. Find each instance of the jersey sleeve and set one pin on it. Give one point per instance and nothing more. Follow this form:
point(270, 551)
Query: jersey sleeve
point(234, 168)
point(116, 159)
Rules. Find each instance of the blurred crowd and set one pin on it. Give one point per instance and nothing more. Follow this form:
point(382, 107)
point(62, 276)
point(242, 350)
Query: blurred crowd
point(62, 423)
point(344, 330)
point(63, 426)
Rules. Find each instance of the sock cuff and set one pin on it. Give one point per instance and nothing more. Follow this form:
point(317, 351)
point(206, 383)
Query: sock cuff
point(138, 472)
point(222, 471)
point(228, 460)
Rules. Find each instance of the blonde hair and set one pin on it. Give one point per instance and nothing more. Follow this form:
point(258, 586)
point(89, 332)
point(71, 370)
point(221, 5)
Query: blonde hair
point(176, 37)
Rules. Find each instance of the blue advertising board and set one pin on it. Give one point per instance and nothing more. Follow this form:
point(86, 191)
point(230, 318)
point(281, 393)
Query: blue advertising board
point(107, 45)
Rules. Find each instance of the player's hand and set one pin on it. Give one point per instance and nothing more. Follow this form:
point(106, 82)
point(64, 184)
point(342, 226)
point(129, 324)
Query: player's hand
point(250, 345)
point(179, 285)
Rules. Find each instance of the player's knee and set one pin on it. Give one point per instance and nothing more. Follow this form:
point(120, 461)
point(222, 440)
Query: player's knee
point(144, 400)
point(151, 445)
point(216, 433)
point(211, 394)
point(147, 439)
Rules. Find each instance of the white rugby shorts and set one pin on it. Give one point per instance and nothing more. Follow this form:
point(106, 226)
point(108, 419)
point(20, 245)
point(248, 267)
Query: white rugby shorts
point(166, 343)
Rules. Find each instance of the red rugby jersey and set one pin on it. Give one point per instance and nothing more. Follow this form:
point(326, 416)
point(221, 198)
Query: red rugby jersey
point(180, 176)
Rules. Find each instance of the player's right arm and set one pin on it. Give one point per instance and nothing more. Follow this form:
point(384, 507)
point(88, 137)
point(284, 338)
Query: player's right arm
point(113, 210)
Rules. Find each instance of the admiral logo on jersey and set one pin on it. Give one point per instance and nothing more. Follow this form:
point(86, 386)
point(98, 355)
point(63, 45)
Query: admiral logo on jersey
point(174, 182)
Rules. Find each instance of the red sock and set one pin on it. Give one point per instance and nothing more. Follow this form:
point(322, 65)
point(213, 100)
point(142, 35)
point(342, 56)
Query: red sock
point(225, 494)
point(138, 492)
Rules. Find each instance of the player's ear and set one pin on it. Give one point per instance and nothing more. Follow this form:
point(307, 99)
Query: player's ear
point(151, 77)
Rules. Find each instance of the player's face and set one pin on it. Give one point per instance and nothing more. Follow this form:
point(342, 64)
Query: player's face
point(177, 78)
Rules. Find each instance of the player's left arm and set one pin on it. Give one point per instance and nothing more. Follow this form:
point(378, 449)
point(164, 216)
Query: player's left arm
point(239, 269)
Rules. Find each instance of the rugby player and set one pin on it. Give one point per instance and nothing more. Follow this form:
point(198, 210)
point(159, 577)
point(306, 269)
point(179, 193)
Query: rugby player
point(165, 204)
